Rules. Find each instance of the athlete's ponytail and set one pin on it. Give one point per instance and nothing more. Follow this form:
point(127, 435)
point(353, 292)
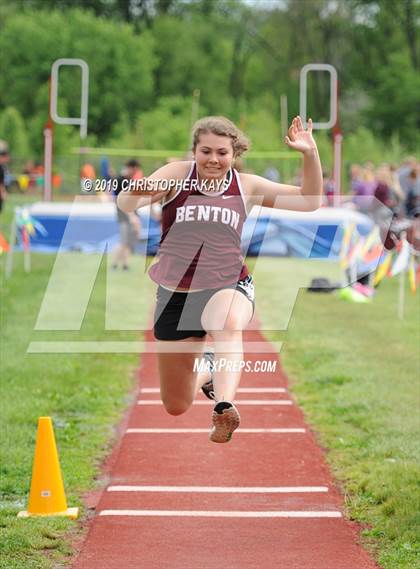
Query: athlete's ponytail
point(222, 127)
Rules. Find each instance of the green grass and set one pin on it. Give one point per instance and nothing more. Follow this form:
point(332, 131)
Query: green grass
point(355, 371)
point(85, 394)
point(12, 201)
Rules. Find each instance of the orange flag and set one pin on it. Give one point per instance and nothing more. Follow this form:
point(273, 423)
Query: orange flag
point(346, 244)
point(4, 245)
point(383, 269)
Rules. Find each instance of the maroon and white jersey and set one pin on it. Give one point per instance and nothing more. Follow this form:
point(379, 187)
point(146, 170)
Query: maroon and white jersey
point(200, 247)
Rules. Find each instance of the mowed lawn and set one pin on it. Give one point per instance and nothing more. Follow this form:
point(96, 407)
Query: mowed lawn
point(353, 368)
point(84, 393)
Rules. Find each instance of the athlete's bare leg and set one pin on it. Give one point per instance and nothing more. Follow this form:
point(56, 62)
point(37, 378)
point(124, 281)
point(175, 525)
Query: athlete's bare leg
point(121, 255)
point(179, 382)
point(225, 316)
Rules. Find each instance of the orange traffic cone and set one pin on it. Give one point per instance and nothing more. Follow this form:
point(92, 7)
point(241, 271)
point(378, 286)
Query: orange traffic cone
point(47, 497)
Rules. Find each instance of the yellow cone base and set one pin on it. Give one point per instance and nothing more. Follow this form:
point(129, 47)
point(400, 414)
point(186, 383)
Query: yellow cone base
point(47, 496)
point(69, 513)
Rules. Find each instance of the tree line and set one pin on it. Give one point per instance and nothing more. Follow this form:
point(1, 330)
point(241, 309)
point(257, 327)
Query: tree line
point(146, 57)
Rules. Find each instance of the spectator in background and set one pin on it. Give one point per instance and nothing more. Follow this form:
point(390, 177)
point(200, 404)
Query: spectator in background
point(412, 203)
point(396, 187)
point(328, 185)
point(28, 172)
point(4, 159)
point(105, 169)
point(87, 172)
point(403, 173)
point(38, 173)
point(383, 196)
point(356, 183)
point(271, 173)
point(107, 173)
point(129, 223)
point(357, 186)
point(365, 188)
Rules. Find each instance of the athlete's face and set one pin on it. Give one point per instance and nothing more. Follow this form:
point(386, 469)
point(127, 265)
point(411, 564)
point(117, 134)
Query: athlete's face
point(213, 155)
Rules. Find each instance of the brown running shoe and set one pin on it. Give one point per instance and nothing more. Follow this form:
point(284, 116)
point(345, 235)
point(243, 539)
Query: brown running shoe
point(226, 420)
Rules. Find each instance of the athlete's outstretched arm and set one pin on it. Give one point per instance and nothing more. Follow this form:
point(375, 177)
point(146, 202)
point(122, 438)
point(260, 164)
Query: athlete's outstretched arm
point(308, 196)
point(148, 190)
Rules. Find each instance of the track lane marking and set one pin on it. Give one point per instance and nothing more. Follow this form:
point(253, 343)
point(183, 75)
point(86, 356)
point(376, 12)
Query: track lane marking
point(221, 514)
point(237, 401)
point(178, 430)
point(239, 390)
point(222, 489)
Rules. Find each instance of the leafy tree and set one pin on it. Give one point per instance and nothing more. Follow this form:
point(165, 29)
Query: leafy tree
point(120, 64)
point(12, 129)
point(165, 127)
point(193, 54)
point(396, 99)
point(242, 56)
point(385, 65)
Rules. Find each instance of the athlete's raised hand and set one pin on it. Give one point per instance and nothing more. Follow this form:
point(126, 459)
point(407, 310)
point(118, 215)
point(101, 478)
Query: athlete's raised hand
point(300, 139)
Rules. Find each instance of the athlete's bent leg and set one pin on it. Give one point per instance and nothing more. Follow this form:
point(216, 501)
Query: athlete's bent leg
point(178, 379)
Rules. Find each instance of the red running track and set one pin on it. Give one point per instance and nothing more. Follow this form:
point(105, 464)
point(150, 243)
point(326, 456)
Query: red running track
point(177, 501)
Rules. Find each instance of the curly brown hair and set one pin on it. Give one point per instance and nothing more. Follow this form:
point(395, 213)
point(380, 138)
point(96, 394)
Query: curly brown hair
point(222, 127)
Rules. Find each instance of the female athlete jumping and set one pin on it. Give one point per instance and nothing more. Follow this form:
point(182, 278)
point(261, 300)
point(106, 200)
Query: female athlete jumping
point(204, 286)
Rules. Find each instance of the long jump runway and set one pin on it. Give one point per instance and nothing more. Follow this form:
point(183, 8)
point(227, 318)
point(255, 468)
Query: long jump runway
point(265, 500)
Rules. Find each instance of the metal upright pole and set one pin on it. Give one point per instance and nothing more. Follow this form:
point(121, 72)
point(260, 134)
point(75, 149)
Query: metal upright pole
point(48, 152)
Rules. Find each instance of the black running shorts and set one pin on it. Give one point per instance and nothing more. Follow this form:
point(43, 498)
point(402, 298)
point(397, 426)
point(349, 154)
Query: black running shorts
point(178, 314)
